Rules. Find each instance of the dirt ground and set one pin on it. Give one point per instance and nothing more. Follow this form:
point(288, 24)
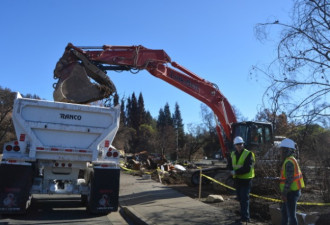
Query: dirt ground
point(258, 216)
point(314, 192)
point(259, 208)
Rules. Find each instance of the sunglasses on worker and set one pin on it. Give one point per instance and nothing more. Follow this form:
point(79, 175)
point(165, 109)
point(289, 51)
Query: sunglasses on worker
point(240, 144)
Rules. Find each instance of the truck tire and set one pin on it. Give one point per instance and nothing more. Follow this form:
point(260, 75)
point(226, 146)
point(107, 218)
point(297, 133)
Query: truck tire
point(195, 177)
point(192, 178)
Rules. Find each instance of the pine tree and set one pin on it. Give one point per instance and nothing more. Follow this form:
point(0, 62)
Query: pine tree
point(122, 113)
point(161, 119)
point(178, 125)
point(134, 114)
point(149, 119)
point(166, 133)
point(167, 115)
point(141, 110)
point(115, 99)
point(128, 112)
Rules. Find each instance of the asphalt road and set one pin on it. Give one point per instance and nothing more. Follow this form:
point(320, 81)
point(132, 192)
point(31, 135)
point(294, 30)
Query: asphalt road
point(61, 209)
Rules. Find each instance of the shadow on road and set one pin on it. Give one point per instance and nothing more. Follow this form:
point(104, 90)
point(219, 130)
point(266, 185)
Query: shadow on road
point(55, 210)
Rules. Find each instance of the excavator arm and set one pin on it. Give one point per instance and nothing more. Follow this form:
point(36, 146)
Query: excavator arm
point(79, 63)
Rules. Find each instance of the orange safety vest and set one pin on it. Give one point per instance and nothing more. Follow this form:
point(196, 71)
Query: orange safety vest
point(298, 181)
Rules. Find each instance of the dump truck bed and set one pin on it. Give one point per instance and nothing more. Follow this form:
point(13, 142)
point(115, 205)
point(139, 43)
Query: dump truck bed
point(64, 131)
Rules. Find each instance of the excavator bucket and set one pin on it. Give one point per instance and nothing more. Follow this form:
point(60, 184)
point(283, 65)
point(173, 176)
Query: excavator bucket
point(75, 86)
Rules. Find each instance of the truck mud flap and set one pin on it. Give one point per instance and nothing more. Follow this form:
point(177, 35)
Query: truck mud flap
point(15, 185)
point(104, 192)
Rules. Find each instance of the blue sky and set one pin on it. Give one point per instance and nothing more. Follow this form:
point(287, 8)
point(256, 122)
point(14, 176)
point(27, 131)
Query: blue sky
point(214, 39)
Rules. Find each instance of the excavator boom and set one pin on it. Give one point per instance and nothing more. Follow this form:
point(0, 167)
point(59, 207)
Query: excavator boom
point(79, 65)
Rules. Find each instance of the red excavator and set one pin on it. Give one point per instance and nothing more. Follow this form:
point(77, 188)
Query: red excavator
point(82, 78)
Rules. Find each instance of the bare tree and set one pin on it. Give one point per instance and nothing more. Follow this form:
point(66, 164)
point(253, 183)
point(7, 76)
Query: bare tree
point(195, 140)
point(166, 140)
point(209, 119)
point(299, 76)
point(280, 122)
point(7, 132)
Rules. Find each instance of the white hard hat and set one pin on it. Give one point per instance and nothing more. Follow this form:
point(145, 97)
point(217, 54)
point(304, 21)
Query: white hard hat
point(238, 140)
point(288, 143)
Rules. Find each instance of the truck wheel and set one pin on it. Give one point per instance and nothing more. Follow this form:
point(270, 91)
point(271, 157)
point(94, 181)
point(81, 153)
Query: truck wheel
point(195, 179)
point(192, 179)
point(188, 178)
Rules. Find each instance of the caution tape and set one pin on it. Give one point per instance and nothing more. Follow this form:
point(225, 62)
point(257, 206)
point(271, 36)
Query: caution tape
point(129, 170)
point(266, 198)
point(231, 188)
point(135, 171)
point(222, 184)
point(160, 173)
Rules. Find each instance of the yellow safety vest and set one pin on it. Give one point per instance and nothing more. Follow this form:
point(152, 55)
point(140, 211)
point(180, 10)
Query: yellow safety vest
point(298, 181)
point(238, 164)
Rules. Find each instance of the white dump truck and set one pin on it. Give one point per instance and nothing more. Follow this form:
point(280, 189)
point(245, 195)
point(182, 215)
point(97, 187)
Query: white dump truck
point(62, 148)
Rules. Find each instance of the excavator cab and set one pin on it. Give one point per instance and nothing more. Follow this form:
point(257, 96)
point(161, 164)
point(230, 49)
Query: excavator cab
point(258, 136)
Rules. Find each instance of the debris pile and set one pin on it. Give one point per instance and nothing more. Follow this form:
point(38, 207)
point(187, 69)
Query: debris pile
point(157, 166)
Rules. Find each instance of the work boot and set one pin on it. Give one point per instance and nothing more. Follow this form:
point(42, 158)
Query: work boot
point(242, 221)
point(245, 221)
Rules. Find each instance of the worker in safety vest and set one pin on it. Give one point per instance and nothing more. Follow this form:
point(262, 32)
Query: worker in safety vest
point(291, 182)
point(242, 170)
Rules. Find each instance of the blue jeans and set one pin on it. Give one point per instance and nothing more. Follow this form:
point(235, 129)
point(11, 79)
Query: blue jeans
point(243, 188)
point(289, 208)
